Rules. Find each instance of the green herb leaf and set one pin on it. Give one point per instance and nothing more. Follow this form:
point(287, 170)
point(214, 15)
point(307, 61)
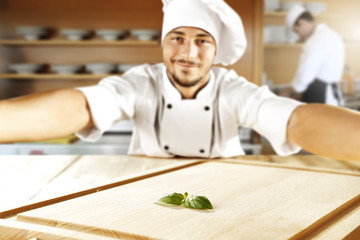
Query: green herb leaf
point(197, 202)
point(173, 199)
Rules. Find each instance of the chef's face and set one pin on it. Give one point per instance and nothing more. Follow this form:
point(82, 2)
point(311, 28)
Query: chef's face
point(303, 28)
point(188, 55)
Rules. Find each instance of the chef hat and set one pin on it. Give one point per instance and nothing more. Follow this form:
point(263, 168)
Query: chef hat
point(213, 16)
point(293, 14)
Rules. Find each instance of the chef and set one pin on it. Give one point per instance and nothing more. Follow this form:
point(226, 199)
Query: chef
point(322, 59)
point(185, 106)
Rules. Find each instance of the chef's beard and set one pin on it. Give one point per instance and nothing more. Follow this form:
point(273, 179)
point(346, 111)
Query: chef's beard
point(186, 83)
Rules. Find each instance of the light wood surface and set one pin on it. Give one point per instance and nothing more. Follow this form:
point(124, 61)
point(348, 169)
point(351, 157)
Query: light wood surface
point(21, 178)
point(14, 230)
point(28, 182)
point(251, 202)
point(346, 227)
point(282, 45)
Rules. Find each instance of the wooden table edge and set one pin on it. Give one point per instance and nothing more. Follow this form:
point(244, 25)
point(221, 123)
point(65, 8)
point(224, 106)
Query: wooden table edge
point(111, 184)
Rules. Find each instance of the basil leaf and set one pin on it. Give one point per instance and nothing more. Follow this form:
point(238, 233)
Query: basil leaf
point(173, 199)
point(197, 202)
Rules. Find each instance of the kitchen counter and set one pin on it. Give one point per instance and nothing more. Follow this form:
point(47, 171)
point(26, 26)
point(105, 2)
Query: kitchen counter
point(115, 142)
point(322, 193)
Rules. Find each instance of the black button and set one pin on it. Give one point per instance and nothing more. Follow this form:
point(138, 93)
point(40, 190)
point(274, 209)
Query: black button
point(207, 108)
point(202, 150)
point(169, 106)
point(166, 147)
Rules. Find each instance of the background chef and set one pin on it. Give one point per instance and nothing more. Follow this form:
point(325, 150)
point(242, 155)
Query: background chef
point(322, 59)
point(185, 106)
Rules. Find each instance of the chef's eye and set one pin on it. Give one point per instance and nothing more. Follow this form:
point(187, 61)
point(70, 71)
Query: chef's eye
point(177, 39)
point(201, 41)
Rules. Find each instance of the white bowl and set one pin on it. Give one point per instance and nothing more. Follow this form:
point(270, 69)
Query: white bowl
point(111, 35)
point(286, 6)
point(292, 37)
point(124, 67)
point(75, 34)
point(315, 7)
point(267, 34)
point(66, 69)
point(32, 32)
point(272, 5)
point(145, 34)
point(277, 33)
point(101, 68)
point(26, 68)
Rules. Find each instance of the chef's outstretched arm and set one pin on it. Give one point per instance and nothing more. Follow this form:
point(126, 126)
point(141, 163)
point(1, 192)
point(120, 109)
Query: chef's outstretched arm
point(326, 130)
point(45, 115)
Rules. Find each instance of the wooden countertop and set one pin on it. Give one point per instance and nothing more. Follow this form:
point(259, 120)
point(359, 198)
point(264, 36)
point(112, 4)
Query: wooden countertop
point(32, 182)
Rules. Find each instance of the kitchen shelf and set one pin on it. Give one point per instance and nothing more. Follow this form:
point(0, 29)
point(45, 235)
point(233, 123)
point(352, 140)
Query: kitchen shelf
point(80, 76)
point(282, 45)
point(64, 42)
point(275, 13)
point(300, 45)
point(283, 14)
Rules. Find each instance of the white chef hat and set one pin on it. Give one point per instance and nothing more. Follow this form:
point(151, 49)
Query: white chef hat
point(213, 16)
point(293, 14)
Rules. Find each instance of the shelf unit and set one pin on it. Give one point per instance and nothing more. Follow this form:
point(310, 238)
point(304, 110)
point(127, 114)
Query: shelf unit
point(62, 42)
point(79, 76)
point(282, 45)
point(282, 14)
point(58, 50)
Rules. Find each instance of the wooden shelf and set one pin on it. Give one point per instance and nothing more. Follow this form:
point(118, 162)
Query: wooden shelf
point(79, 76)
point(64, 42)
point(282, 45)
point(283, 14)
point(275, 14)
point(299, 45)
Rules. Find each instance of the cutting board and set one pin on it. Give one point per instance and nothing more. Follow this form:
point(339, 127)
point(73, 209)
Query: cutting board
point(22, 178)
point(250, 202)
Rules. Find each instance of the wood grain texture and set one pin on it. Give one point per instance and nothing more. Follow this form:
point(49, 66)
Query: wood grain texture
point(52, 195)
point(97, 170)
point(343, 226)
point(21, 178)
point(250, 202)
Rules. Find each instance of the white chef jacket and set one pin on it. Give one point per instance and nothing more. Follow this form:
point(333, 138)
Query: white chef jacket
point(166, 125)
point(323, 58)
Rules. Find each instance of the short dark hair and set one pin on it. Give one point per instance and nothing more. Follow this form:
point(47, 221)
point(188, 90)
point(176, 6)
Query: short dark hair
point(306, 15)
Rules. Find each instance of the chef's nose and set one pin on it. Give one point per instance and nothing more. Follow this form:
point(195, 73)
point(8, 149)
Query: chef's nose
point(189, 50)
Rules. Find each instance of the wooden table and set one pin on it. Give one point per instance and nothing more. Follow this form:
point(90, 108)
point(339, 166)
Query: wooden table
point(111, 197)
